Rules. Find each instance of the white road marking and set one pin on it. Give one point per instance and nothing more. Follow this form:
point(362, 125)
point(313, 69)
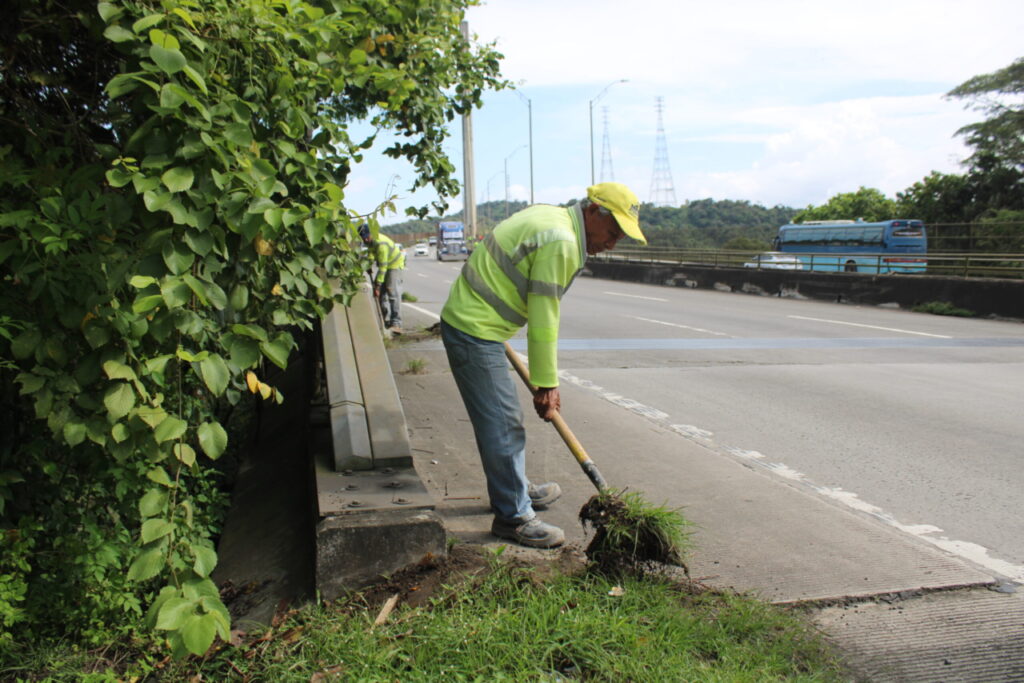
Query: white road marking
point(685, 327)
point(422, 310)
point(422, 274)
point(972, 552)
point(872, 327)
point(634, 296)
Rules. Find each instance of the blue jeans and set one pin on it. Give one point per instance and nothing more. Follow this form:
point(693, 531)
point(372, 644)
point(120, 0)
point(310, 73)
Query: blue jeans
point(391, 298)
point(483, 376)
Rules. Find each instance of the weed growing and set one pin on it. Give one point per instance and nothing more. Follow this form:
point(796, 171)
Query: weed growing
point(943, 308)
point(411, 298)
point(415, 366)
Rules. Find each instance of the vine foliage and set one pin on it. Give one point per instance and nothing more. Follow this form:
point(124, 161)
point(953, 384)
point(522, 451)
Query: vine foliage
point(172, 208)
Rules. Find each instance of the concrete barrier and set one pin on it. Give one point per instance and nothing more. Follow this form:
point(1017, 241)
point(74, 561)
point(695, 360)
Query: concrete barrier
point(983, 296)
point(374, 514)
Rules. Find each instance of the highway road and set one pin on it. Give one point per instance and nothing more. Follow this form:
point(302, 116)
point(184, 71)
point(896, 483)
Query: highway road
point(917, 420)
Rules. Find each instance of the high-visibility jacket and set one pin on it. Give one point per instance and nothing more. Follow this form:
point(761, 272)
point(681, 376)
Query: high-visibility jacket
point(388, 255)
point(517, 277)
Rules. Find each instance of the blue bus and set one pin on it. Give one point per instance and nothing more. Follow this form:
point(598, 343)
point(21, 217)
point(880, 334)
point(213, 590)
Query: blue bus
point(895, 246)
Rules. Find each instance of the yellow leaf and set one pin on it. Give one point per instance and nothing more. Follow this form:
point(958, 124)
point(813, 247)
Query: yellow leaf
point(266, 390)
point(252, 381)
point(277, 290)
point(85, 319)
point(263, 247)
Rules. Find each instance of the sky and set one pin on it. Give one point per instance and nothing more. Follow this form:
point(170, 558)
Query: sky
point(780, 102)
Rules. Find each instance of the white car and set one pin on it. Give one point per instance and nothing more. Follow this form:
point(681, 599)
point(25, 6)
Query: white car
point(773, 260)
point(421, 249)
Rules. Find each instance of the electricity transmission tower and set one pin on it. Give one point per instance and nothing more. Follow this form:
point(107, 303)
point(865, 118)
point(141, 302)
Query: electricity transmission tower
point(663, 193)
point(606, 152)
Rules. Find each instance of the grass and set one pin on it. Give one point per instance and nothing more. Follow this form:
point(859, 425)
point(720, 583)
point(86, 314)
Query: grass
point(411, 298)
point(415, 366)
point(943, 308)
point(508, 624)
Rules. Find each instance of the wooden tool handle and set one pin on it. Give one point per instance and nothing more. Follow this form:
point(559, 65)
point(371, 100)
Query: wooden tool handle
point(575, 447)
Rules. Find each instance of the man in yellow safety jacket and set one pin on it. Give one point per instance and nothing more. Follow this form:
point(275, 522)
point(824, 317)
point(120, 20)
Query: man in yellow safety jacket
point(387, 282)
point(517, 277)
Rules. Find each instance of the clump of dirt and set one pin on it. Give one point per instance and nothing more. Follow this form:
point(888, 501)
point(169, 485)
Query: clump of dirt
point(628, 540)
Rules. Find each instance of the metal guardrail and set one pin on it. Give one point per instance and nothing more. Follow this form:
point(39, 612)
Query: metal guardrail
point(946, 264)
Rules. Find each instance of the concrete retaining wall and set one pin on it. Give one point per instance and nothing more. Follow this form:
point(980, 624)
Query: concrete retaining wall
point(983, 296)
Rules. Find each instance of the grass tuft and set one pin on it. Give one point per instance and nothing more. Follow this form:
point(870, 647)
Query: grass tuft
point(943, 308)
point(631, 536)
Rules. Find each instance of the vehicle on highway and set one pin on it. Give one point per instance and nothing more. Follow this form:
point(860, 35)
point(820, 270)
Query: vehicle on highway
point(773, 260)
point(421, 249)
point(894, 246)
point(451, 241)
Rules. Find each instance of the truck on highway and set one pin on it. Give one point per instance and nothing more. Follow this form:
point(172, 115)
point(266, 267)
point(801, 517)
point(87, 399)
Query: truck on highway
point(451, 241)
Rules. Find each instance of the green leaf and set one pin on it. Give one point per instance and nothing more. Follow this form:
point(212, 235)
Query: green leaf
point(175, 292)
point(206, 560)
point(24, 345)
point(170, 429)
point(142, 281)
point(357, 57)
point(74, 433)
point(178, 179)
point(212, 439)
point(30, 383)
point(198, 633)
point(173, 613)
point(116, 370)
point(215, 373)
point(196, 78)
point(119, 399)
point(196, 286)
point(151, 415)
point(118, 177)
point(147, 22)
point(199, 242)
point(185, 454)
point(169, 61)
point(238, 133)
point(277, 352)
point(239, 297)
point(118, 34)
point(120, 432)
point(153, 503)
point(153, 529)
point(177, 257)
point(261, 205)
point(154, 200)
point(147, 303)
point(218, 299)
point(161, 39)
point(315, 229)
point(147, 565)
point(108, 11)
point(257, 333)
point(245, 352)
point(158, 475)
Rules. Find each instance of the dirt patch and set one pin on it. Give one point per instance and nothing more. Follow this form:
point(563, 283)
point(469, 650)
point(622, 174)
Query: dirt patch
point(627, 540)
point(433, 575)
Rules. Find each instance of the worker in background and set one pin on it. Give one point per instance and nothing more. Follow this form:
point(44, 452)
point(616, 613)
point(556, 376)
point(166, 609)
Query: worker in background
point(387, 282)
point(517, 277)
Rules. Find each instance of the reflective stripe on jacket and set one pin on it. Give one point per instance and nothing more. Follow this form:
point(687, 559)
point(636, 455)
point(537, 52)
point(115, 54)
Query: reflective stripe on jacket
point(516, 277)
point(388, 255)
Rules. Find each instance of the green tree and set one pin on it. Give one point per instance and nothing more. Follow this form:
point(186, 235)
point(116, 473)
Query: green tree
point(999, 138)
point(172, 209)
point(867, 203)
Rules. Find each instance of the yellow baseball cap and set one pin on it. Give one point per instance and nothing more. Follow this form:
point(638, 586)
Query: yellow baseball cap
point(623, 204)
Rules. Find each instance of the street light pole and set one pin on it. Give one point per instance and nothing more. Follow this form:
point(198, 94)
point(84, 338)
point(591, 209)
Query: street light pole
point(489, 220)
point(506, 175)
point(529, 110)
point(592, 103)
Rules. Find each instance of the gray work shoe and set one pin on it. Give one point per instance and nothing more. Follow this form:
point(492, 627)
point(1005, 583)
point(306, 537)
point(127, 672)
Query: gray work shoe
point(543, 495)
point(535, 533)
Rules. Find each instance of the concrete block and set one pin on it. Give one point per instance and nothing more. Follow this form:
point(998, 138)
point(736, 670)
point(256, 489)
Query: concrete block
point(385, 418)
point(353, 550)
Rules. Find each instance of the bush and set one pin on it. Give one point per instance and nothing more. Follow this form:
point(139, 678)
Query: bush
point(172, 205)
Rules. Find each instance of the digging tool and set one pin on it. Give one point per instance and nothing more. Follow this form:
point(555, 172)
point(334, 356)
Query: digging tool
point(589, 468)
point(629, 534)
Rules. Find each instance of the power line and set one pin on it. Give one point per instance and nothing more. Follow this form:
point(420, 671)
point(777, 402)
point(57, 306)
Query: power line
point(663, 193)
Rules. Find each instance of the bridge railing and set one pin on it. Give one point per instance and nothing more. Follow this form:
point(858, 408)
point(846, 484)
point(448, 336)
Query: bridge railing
point(946, 264)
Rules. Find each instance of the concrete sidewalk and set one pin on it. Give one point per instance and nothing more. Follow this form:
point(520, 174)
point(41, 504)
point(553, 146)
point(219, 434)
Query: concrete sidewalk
point(901, 609)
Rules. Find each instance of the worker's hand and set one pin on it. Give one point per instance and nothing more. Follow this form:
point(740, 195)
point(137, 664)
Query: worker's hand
point(546, 402)
point(376, 290)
